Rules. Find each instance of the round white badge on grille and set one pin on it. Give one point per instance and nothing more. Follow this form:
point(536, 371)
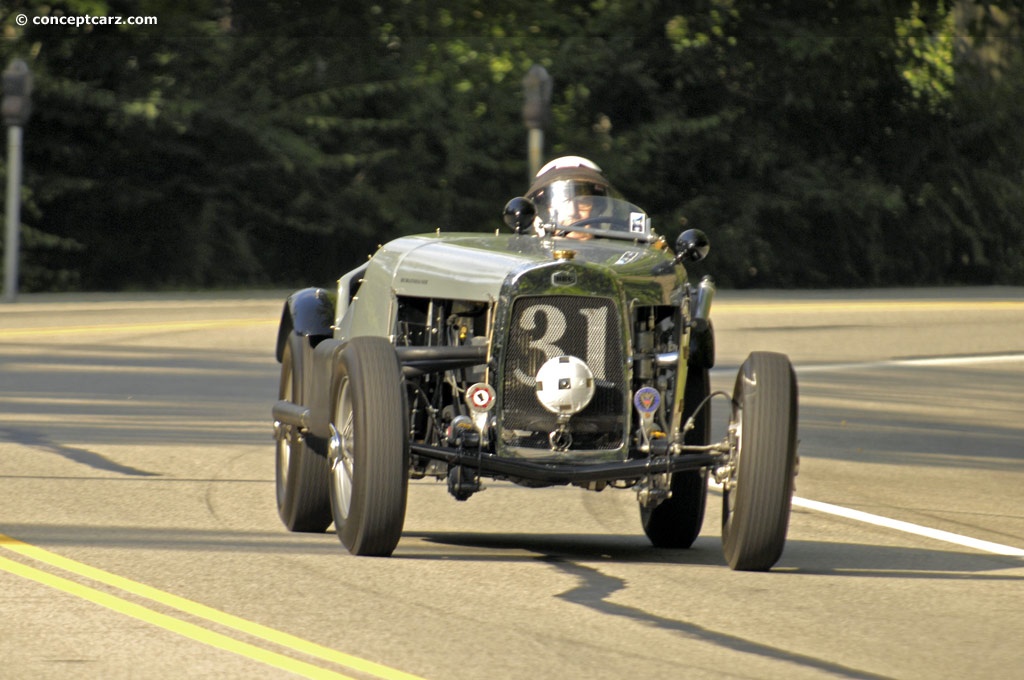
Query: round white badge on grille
point(480, 397)
point(565, 385)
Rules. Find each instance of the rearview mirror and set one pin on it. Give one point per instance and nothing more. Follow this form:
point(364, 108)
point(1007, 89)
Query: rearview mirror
point(692, 246)
point(519, 214)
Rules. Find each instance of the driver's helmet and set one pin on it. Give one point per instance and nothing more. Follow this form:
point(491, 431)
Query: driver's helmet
point(560, 187)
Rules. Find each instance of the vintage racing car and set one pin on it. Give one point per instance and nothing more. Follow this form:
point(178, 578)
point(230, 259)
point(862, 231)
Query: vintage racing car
point(571, 350)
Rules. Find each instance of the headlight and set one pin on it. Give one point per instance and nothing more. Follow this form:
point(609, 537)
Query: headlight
point(565, 385)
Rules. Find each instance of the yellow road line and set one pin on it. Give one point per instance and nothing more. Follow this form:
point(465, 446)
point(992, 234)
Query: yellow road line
point(189, 630)
point(202, 611)
point(50, 331)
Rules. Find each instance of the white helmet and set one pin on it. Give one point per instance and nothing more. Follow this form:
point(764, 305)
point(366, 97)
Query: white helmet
point(569, 162)
point(561, 185)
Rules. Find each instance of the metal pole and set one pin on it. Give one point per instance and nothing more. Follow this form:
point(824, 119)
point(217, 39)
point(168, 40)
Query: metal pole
point(536, 151)
point(11, 246)
point(537, 86)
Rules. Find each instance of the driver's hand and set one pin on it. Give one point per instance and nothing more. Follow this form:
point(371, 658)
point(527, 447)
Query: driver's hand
point(580, 235)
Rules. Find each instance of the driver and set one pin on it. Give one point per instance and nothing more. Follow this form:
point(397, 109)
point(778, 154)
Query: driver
point(565, 191)
point(584, 207)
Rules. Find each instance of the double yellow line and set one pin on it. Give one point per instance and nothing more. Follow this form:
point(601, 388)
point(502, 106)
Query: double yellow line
point(185, 628)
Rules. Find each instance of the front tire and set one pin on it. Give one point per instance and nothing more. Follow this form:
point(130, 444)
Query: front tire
point(676, 522)
point(369, 451)
point(301, 475)
point(758, 494)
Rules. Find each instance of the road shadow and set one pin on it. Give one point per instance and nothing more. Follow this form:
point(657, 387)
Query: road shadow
point(801, 557)
point(96, 395)
point(895, 415)
point(57, 536)
point(595, 591)
point(35, 440)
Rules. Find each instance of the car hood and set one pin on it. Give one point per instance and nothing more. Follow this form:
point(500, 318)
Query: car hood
point(472, 266)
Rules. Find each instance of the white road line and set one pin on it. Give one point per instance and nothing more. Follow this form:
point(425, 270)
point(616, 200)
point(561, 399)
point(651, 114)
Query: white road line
point(899, 525)
point(924, 362)
point(960, 360)
point(937, 534)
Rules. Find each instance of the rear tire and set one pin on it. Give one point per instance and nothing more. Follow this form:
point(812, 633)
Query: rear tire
point(759, 493)
point(301, 473)
point(676, 522)
point(369, 455)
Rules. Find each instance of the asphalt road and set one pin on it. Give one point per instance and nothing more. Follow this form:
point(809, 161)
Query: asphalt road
point(139, 537)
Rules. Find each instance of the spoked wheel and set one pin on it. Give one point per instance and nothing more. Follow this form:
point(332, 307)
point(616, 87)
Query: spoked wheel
point(758, 493)
point(676, 522)
point(369, 451)
point(302, 499)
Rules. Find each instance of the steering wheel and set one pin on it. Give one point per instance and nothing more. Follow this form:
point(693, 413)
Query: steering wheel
point(617, 223)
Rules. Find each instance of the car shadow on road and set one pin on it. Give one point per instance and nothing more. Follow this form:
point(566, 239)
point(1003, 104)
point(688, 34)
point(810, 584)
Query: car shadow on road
point(588, 558)
point(852, 559)
point(478, 546)
point(801, 557)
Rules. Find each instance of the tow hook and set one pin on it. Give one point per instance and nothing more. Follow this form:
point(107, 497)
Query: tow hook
point(654, 491)
point(463, 482)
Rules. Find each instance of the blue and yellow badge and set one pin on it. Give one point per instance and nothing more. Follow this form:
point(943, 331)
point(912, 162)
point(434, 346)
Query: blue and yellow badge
point(647, 400)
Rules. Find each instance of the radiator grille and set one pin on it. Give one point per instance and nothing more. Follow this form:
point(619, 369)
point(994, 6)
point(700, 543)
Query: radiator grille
point(546, 326)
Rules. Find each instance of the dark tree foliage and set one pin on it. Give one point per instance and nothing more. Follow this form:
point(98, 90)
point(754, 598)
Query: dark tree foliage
point(820, 144)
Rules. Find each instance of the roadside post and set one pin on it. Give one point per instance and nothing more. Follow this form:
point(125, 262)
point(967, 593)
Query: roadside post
point(537, 86)
point(17, 105)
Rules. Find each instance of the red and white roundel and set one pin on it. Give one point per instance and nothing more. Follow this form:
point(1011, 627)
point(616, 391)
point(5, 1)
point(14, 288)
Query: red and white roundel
point(480, 397)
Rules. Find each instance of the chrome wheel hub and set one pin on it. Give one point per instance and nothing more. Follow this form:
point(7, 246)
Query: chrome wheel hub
point(339, 453)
